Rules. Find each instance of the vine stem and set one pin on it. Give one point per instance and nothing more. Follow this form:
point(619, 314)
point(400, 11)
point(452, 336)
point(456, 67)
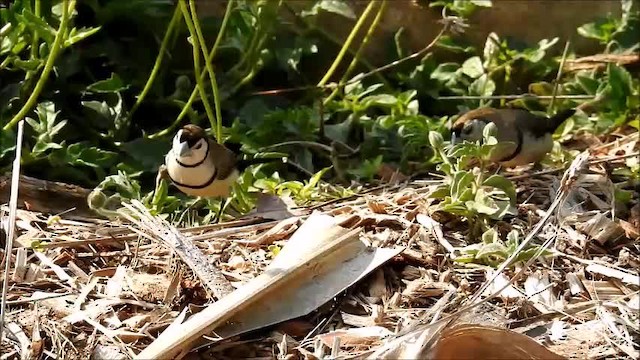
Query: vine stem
point(158, 63)
point(347, 44)
point(192, 97)
point(217, 122)
point(67, 8)
point(356, 58)
point(196, 59)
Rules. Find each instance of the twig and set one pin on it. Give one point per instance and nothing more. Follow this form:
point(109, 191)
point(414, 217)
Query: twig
point(514, 97)
point(526, 176)
point(615, 142)
point(558, 76)
point(615, 158)
point(13, 210)
point(426, 49)
point(318, 145)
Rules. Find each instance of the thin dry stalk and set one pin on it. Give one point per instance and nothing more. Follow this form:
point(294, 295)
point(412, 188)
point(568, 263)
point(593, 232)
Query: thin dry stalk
point(13, 209)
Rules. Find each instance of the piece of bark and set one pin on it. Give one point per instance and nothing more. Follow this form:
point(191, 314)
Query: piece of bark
point(47, 197)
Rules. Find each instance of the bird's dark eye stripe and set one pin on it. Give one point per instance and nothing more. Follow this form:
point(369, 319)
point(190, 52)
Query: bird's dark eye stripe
point(191, 140)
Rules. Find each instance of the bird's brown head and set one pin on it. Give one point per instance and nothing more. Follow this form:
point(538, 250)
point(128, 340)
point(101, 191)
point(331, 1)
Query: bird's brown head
point(470, 125)
point(190, 144)
point(191, 134)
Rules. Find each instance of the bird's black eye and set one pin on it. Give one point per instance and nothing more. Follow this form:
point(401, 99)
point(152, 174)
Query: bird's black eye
point(198, 146)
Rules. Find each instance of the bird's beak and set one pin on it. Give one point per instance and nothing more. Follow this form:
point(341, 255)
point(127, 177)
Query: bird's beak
point(183, 149)
point(453, 138)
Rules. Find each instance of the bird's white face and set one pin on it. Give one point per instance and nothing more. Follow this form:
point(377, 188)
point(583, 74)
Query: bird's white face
point(472, 131)
point(189, 155)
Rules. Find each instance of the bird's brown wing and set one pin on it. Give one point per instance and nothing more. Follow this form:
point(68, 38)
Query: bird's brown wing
point(537, 126)
point(223, 159)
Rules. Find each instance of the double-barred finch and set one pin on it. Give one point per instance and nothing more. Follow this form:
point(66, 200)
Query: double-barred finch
point(199, 166)
point(523, 137)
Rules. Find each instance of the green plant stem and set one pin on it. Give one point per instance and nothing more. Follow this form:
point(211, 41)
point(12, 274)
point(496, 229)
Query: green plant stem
point(196, 60)
point(217, 122)
point(194, 93)
point(35, 40)
point(356, 58)
point(347, 43)
point(554, 93)
point(158, 63)
point(48, 66)
point(5, 62)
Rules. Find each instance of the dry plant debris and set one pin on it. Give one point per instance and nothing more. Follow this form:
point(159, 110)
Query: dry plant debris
point(87, 288)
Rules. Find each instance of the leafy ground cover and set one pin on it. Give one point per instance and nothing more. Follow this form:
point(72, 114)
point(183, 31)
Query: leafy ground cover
point(89, 105)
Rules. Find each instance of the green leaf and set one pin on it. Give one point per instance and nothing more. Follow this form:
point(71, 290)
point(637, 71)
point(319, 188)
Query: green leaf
point(7, 143)
point(41, 147)
point(489, 133)
point(490, 236)
point(446, 72)
point(537, 54)
point(333, 6)
point(382, 100)
point(588, 84)
point(28, 65)
point(491, 49)
point(76, 35)
point(493, 249)
point(440, 192)
point(483, 3)
point(461, 180)
point(148, 153)
point(81, 154)
point(435, 139)
point(111, 85)
point(597, 30)
point(472, 67)
point(33, 22)
point(541, 88)
point(513, 240)
point(503, 184)
point(447, 42)
point(289, 56)
point(482, 86)
point(620, 81)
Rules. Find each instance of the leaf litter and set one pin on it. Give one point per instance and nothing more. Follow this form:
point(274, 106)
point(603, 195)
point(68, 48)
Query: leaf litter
point(90, 288)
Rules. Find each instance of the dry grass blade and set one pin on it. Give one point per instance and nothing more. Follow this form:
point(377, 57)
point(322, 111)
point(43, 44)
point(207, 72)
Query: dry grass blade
point(13, 208)
point(213, 280)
